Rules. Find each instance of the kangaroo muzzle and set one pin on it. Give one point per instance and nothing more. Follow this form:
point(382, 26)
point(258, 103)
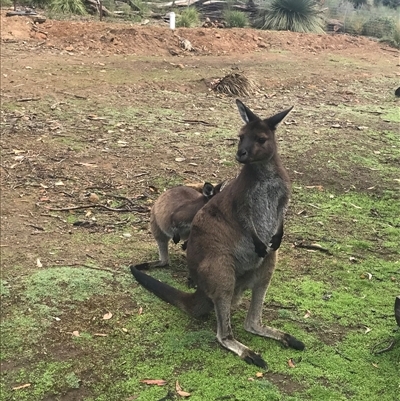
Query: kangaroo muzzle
point(242, 156)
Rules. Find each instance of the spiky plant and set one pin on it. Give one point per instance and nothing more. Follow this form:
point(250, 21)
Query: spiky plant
point(291, 15)
point(235, 19)
point(68, 6)
point(188, 18)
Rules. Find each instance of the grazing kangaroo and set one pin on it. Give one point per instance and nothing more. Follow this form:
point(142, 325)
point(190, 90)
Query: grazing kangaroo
point(245, 216)
point(172, 215)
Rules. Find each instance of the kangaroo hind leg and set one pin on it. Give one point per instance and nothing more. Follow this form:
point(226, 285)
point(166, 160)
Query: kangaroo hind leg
point(226, 339)
point(162, 242)
point(254, 315)
point(222, 295)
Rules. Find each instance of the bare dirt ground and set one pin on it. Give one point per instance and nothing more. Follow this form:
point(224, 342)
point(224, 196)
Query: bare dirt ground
point(111, 108)
point(70, 62)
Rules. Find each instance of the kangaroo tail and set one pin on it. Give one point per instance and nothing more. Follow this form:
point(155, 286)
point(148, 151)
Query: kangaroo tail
point(195, 304)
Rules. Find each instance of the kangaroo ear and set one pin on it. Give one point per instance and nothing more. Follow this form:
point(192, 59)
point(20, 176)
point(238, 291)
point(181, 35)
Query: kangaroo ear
point(277, 118)
point(217, 188)
point(247, 115)
point(208, 190)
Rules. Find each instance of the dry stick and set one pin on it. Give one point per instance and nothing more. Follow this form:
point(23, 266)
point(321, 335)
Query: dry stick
point(199, 122)
point(72, 94)
point(28, 99)
point(390, 341)
point(343, 356)
point(86, 266)
point(389, 50)
point(191, 122)
point(314, 247)
point(112, 209)
point(121, 197)
point(35, 227)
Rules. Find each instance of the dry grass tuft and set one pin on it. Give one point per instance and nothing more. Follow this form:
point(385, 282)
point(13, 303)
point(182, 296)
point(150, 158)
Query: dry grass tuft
point(234, 84)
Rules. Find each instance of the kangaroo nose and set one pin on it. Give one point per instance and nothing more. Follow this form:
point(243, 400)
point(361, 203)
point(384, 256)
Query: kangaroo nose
point(241, 155)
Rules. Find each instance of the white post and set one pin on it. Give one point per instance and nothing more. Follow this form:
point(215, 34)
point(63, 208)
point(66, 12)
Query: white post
point(172, 20)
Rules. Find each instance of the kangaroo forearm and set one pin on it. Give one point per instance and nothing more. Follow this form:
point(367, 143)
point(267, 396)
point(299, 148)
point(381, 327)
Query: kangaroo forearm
point(276, 239)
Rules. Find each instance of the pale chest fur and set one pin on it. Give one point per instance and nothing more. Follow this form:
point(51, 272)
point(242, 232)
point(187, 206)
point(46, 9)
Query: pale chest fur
point(266, 203)
point(263, 208)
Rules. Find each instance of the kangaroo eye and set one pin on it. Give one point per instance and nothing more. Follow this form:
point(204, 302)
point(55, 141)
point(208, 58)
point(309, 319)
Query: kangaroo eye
point(240, 138)
point(261, 140)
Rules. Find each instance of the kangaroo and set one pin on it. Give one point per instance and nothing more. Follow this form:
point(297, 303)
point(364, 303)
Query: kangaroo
point(172, 215)
point(222, 262)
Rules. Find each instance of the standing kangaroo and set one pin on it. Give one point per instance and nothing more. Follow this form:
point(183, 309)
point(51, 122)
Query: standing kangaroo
point(172, 215)
point(227, 249)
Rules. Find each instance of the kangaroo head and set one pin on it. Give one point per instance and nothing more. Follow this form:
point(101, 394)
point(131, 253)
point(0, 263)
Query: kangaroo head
point(257, 141)
point(210, 190)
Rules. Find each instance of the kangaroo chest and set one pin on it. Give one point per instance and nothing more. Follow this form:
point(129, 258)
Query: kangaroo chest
point(264, 208)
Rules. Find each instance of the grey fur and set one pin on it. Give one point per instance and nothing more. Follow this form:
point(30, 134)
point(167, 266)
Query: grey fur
point(228, 235)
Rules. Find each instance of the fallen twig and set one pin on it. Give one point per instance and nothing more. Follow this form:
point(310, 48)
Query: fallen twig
point(28, 99)
point(121, 197)
point(86, 266)
point(343, 356)
point(389, 342)
point(315, 247)
point(35, 227)
point(191, 122)
point(138, 209)
point(141, 174)
point(389, 50)
point(199, 122)
point(275, 305)
point(73, 94)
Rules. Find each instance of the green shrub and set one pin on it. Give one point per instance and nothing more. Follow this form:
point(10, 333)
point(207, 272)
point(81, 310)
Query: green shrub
point(354, 23)
point(387, 3)
point(235, 19)
point(359, 3)
point(141, 6)
point(6, 3)
point(394, 39)
point(188, 18)
point(68, 7)
point(379, 27)
point(291, 15)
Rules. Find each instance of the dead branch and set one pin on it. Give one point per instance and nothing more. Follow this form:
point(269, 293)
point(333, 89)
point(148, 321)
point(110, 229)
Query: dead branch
point(343, 356)
point(72, 94)
point(191, 122)
point(138, 209)
point(314, 247)
point(28, 99)
point(389, 342)
point(121, 197)
point(35, 227)
point(86, 266)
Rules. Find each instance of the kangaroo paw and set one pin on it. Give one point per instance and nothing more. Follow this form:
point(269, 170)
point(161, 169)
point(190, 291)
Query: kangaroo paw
point(293, 342)
point(261, 249)
point(191, 283)
point(254, 359)
point(176, 238)
point(184, 245)
point(275, 243)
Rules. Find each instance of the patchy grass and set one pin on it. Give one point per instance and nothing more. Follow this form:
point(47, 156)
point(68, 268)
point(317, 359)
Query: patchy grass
point(340, 147)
